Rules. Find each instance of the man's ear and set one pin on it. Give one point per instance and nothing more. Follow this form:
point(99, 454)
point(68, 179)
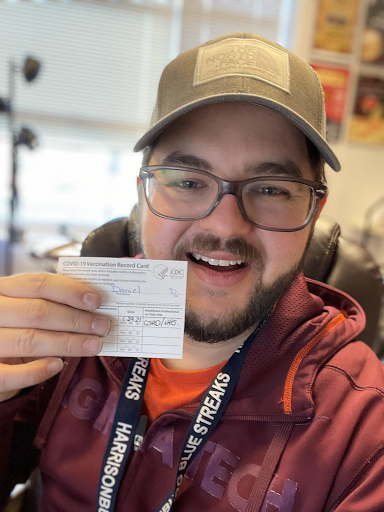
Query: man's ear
point(138, 181)
point(321, 206)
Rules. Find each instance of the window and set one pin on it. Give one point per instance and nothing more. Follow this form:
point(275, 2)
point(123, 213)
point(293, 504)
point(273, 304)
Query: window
point(100, 64)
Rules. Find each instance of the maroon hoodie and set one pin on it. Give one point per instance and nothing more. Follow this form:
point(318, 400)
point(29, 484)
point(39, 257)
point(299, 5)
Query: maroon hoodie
point(303, 432)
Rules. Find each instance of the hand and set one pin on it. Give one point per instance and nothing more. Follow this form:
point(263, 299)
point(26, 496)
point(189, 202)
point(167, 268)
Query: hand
point(43, 316)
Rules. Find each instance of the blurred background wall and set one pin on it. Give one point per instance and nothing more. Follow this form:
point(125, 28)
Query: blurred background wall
point(92, 98)
point(344, 39)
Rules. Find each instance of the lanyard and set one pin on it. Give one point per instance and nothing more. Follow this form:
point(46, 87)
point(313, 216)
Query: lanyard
point(127, 416)
point(122, 433)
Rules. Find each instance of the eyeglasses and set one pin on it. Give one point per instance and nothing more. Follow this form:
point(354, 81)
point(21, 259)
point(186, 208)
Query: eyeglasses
point(275, 203)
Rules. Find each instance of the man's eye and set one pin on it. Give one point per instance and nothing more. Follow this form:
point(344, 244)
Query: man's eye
point(186, 184)
point(272, 191)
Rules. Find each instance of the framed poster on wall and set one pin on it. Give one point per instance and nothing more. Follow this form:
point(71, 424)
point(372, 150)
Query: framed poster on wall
point(335, 85)
point(367, 123)
point(372, 48)
point(336, 25)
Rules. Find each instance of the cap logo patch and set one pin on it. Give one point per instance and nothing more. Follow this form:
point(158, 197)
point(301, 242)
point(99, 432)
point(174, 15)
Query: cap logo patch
point(243, 57)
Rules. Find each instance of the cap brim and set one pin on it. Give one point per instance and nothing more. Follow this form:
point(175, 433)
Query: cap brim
point(322, 145)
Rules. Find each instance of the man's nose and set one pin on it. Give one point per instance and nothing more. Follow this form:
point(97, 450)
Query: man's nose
point(226, 220)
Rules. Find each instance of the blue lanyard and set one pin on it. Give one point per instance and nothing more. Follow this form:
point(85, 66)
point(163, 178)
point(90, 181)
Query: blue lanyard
point(122, 433)
point(127, 416)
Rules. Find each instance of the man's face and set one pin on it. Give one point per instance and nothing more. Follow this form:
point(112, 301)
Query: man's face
point(229, 140)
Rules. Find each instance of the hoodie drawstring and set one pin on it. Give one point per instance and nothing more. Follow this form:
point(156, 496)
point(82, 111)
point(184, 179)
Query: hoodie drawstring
point(267, 470)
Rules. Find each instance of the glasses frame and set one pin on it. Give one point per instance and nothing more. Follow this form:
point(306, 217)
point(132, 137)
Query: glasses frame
point(319, 191)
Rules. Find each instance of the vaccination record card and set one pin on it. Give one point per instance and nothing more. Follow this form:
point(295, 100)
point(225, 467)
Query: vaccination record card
point(145, 300)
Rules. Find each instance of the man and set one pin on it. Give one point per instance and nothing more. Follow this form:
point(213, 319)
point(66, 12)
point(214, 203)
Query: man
point(293, 417)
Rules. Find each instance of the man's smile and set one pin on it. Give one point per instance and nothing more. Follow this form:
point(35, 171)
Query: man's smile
point(219, 265)
point(217, 268)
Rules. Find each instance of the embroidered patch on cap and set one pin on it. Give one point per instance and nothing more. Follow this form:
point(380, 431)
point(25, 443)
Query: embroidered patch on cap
point(243, 57)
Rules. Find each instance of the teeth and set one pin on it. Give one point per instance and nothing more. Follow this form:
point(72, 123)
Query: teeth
point(217, 263)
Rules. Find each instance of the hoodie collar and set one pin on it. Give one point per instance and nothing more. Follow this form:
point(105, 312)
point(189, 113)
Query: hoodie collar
point(309, 324)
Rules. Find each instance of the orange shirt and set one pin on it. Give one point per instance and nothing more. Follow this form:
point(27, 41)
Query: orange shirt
point(169, 389)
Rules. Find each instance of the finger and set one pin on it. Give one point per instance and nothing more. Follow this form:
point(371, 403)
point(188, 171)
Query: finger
point(43, 314)
point(20, 376)
point(27, 343)
point(52, 287)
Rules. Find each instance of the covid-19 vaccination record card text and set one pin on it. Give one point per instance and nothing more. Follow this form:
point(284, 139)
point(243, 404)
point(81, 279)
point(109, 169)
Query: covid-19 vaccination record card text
point(145, 300)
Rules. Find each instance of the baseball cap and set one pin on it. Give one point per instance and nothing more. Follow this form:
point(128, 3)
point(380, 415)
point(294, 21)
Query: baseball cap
point(242, 67)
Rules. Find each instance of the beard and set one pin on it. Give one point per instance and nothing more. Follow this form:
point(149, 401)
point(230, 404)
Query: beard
point(259, 304)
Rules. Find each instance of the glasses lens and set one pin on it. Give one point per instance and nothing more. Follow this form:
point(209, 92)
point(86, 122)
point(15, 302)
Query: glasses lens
point(278, 204)
point(180, 193)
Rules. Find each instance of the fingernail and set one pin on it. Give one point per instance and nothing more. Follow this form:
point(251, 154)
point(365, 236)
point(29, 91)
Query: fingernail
point(92, 345)
point(101, 325)
point(91, 300)
point(55, 366)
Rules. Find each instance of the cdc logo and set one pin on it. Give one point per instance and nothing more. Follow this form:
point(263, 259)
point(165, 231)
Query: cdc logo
point(177, 273)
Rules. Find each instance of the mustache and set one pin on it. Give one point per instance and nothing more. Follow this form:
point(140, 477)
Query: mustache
point(205, 242)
